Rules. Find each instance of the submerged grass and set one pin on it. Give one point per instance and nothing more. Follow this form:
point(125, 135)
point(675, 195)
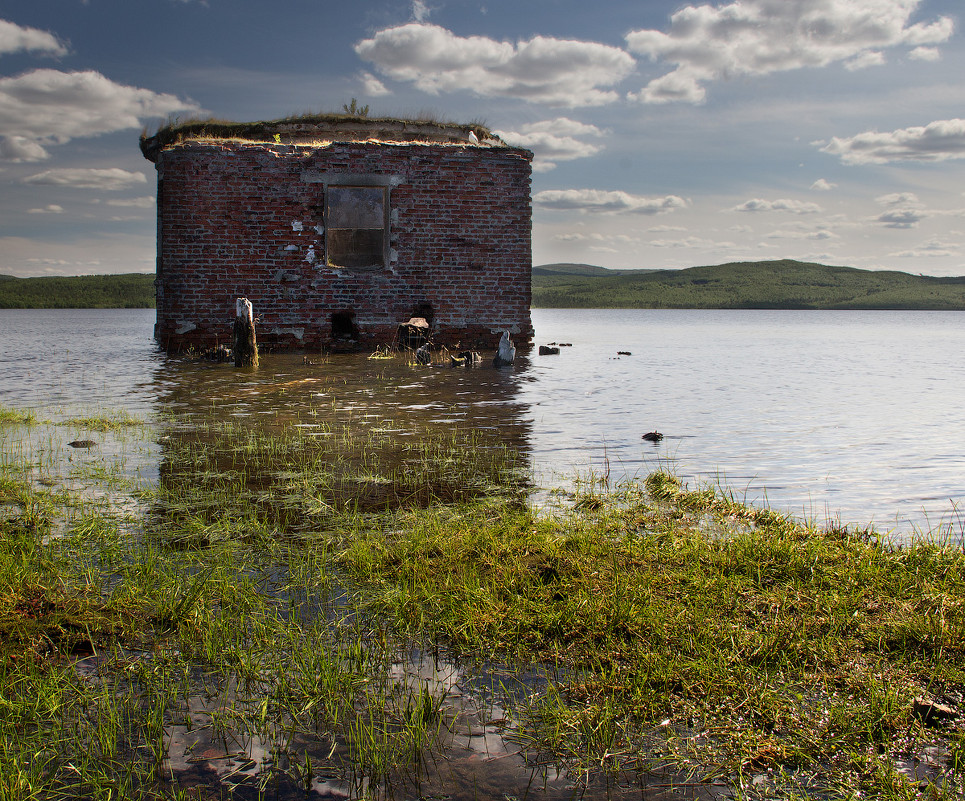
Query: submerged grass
point(267, 588)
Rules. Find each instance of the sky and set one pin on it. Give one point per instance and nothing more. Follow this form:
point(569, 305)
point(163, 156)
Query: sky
point(666, 134)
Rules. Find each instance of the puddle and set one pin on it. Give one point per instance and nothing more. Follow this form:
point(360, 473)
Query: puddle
point(474, 757)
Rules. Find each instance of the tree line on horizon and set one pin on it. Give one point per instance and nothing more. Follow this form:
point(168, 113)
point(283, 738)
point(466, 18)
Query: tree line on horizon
point(784, 284)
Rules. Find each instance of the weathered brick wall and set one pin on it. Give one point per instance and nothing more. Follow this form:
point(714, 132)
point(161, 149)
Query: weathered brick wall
point(245, 220)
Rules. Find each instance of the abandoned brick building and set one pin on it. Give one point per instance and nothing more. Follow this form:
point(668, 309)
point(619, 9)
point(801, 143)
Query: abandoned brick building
point(339, 230)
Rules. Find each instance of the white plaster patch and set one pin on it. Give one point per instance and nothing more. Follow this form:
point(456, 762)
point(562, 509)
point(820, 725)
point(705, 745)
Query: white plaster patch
point(298, 333)
point(297, 225)
point(291, 247)
point(319, 229)
point(184, 326)
point(310, 257)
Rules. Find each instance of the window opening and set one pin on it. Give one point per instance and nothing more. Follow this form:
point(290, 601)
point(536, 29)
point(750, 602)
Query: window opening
point(356, 219)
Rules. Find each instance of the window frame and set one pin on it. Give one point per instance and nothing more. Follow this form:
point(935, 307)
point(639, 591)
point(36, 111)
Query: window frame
point(348, 184)
point(348, 179)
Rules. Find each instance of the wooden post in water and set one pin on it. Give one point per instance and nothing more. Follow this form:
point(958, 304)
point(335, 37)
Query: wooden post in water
point(246, 348)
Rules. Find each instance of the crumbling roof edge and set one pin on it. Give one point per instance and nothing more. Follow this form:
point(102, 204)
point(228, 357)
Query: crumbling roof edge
point(315, 128)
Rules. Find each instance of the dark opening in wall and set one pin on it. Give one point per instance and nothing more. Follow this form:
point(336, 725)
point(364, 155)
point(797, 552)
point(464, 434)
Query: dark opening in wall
point(344, 327)
point(355, 223)
point(425, 311)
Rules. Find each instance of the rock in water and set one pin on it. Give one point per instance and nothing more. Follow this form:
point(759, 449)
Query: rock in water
point(506, 352)
point(652, 436)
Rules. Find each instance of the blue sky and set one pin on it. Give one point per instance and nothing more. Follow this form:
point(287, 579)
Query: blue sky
point(667, 134)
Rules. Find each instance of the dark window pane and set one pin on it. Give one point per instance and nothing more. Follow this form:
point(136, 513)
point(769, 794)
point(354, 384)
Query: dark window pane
point(356, 226)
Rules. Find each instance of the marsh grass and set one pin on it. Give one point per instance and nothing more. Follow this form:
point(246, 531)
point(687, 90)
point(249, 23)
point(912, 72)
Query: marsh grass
point(266, 590)
point(773, 647)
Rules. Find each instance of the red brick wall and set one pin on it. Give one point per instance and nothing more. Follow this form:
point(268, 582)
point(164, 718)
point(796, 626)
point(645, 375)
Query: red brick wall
point(460, 236)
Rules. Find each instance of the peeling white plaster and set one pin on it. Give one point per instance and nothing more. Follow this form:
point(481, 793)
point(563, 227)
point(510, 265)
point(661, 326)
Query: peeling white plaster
point(298, 333)
point(319, 229)
point(184, 326)
point(297, 225)
point(310, 257)
point(393, 255)
point(291, 247)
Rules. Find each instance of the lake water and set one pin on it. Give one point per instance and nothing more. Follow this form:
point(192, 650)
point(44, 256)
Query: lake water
point(852, 417)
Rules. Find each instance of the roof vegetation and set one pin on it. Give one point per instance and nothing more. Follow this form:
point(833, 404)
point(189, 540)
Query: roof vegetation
point(353, 124)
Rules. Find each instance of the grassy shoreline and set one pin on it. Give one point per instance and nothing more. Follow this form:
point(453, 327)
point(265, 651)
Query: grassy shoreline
point(267, 587)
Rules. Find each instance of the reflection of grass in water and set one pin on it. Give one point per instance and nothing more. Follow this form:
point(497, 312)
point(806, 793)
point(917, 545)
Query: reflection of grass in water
point(236, 610)
point(750, 646)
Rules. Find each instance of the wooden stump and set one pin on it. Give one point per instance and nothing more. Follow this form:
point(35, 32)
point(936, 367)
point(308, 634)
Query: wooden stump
point(246, 346)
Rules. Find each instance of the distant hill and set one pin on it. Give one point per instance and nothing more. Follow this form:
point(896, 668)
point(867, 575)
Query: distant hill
point(566, 268)
point(126, 291)
point(784, 284)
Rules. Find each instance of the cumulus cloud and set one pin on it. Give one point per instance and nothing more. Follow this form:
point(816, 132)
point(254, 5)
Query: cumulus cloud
point(20, 148)
point(146, 202)
point(925, 54)
point(602, 202)
point(934, 248)
point(819, 235)
point(51, 208)
point(938, 141)
point(558, 72)
point(553, 141)
point(871, 58)
point(909, 199)
point(758, 37)
point(783, 204)
point(901, 218)
point(822, 185)
point(46, 107)
point(112, 178)
point(420, 11)
point(15, 39)
point(372, 86)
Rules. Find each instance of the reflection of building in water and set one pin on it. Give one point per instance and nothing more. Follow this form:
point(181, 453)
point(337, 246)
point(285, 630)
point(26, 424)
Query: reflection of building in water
point(350, 406)
point(339, 230)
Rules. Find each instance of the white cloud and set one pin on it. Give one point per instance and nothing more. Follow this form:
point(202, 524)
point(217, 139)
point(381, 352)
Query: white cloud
point(372, 86)
point(15, 39)
point(111, 179)
point(51, 208)
point(908, 199)
point(20, 148)
point(420, 11)
point(792, 206)
point(870, 58)
point(925, 54)
point(146, 202)
point(692, 242)
point(603, 202)
point(666, 229)
point(937, 141)
point(558, 72)
point(932, 249)
point(820, 235)
point(901, 218)
point(553, 141)
point(822, 185)
point(759, 37)
point(45, 107)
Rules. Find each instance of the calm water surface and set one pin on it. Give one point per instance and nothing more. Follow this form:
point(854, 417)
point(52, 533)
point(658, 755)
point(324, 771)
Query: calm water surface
point(855, 417)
